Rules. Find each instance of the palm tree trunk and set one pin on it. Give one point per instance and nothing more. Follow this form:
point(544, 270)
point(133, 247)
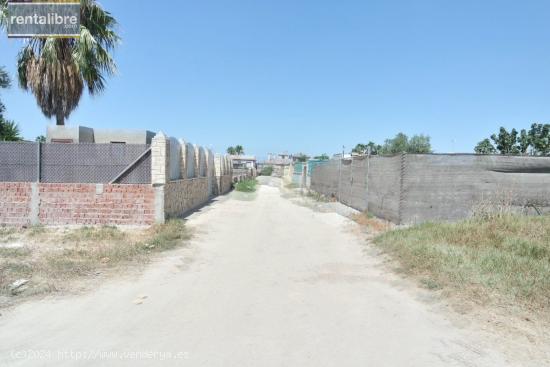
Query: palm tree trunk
point(60, 120)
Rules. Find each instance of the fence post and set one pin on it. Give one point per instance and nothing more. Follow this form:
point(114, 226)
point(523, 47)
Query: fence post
point(351, 183)
point(340, 179)
point(367, 179)
point(38, 162)
point(401, 188)
point(160, 171)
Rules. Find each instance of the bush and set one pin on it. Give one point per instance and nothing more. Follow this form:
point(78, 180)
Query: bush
point(266, 171)
point(248, 185)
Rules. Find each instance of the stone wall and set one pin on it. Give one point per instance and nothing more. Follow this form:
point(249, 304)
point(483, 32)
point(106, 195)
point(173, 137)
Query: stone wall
point(202, 175)
point(225, 184)
point(182, 196)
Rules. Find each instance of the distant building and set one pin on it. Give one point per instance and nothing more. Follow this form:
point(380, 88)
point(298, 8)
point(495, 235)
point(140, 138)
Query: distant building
point(243, 161)
point(282, 159)
point(81, 134)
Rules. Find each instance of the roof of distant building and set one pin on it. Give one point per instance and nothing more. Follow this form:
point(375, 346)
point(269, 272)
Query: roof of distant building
point(243, 157)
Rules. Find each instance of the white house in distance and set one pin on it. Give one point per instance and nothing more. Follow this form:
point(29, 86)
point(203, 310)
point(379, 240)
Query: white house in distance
point(243, 161)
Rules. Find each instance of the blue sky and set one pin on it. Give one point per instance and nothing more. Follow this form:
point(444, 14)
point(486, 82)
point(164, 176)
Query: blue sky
point(312, 76)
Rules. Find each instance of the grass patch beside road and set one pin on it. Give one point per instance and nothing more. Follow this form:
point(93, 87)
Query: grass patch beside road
point(49, 257)
point(248, 185)
point(504, 258)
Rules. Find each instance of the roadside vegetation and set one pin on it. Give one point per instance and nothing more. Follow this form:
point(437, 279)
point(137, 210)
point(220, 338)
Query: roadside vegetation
point(502, 258)
point(532, 142)
point(266, 171)
point(248, 185)
point(401, 143)
point(40, 260)
point(9, 131)
point(236, 150)
point(375, 225)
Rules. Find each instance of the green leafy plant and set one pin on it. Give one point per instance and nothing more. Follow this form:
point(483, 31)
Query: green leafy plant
point(322, 157)
point(236, 150)
point(485, 147)
point(266, 171)
point(248, 185)
point(9, 131)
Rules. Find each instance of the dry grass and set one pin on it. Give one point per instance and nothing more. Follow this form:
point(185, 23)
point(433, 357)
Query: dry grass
point(291, 186)
point(50, 258)
point(373, 224)
point(496, 257)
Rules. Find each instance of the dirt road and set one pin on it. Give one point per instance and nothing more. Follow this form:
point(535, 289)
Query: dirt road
point(264, 283)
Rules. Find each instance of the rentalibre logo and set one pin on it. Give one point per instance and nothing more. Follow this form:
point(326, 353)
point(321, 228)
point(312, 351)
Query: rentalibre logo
point(35, 18)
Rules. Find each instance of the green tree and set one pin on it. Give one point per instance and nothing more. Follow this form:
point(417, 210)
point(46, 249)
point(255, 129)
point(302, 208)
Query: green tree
point(56, 70)
point(539, 138)
point(232, 151)
point(363, 148)
point(419, 144)
point(40, 139)
point(9, 131)
point(506, 142)
point(524, 142)
point(322, 157)
point(301, 157)
point(485, 147)
point(399, 144)
point(239, 150)
point(359, 149)
point(4, 83)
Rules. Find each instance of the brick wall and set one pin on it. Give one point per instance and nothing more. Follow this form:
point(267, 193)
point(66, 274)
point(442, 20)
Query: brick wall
point(15, 203)
point(80, 204)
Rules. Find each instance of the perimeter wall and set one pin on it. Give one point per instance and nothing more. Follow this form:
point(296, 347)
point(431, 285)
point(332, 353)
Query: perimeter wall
point(413, 188)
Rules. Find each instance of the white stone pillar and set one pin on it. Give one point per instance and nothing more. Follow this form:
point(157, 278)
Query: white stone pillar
point(160, 164)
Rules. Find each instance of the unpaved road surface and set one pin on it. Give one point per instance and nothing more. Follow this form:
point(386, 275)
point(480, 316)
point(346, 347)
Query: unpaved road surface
point(264, 282)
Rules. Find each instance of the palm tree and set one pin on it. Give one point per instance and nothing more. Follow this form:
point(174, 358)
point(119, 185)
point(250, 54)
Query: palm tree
point(4, 78)
point(4, 83)
point(239, 150)
point(231, 151)
point(9, 131)
point(56, 70)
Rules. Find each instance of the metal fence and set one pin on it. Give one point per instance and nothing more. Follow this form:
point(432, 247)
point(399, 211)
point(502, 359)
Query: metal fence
point(75, 163)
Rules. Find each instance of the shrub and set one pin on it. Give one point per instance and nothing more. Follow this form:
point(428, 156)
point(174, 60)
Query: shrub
point(266, 171)
point(248, 185)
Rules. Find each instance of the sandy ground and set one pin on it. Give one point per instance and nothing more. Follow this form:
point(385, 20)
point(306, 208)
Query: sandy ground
point(264, 282)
